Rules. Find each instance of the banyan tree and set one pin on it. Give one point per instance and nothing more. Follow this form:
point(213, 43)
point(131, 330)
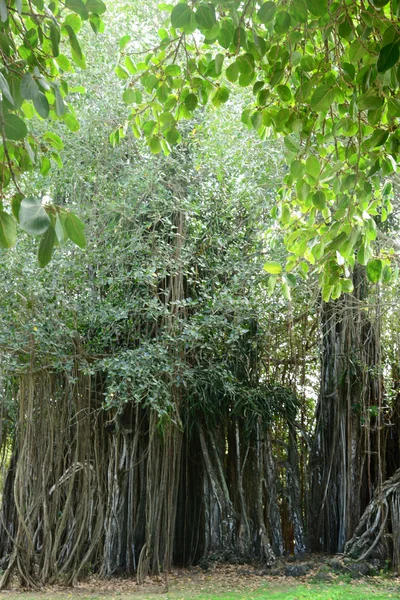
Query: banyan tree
point(159, 408)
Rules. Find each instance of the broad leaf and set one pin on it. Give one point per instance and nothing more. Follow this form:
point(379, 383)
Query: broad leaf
point(8, 230)
point(388, 56)
point(14, 128)
point(181, 15)
point(41, 105)
point(33, 217)
point(4, 87)
point(267, 12)
point(78, 7)
point(322, 98)
point(46, 247)
point(75, 229)
point(96, 6)
point(273, 267)
point(205, 16)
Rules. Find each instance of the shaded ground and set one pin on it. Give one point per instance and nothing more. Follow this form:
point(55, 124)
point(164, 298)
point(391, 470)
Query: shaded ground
point(313, 579)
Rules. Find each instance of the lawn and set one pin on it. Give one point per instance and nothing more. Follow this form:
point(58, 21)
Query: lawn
point(280, 591)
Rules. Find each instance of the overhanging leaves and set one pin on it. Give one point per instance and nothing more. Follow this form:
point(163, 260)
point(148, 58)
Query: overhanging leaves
point(33, 217)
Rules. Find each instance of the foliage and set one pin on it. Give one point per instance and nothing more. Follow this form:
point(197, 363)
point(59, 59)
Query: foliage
point(325, 76)
point(39, 47)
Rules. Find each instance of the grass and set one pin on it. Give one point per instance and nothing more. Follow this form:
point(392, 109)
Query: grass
point(272, 591)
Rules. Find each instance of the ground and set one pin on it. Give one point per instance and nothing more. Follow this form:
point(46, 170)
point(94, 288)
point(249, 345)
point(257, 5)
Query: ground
point(314, 580)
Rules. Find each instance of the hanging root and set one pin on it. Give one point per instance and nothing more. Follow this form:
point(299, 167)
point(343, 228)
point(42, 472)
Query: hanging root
point(384, 509)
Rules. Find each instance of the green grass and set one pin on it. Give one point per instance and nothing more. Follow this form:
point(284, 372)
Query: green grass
point(354, 591)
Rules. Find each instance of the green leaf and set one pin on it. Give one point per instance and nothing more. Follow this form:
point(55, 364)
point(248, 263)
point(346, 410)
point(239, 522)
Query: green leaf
point(298, 10)
point(271, 284)
point(388, 56)
point(32, 216)
point(319, 200)
point(55, 39)
point(232, 72)
point(297, 169)
point(75, 46)
point(191, 101)
point(14, 128)
point(221, 96)
point(282, 22)
point(322, 98)
point(267, 12)
point(181, 15)
point(71, 122)
point(78, 7)
point(3, 11)
point(29, 88)
point(61, 233)
point(75, 229)
point(172, 71)
point(313, 167)
point(346, 285)
point(4, 87)
point(129, 96)
point(16, 204)
point(46, 247)
point(318, 8)
point(256, 120)
point(273, 267)
point(225, 35)
point(8, 230)
point(379, 3)
point(173, 136)
point(378, 138)
point(96, 6)
point(292, 144)
point(364, 254)
point(205, 16)
point(41, 105)
point(284, 93)
point(286, 290)
point(374, 270)
point(245, 63)
point(54, 140)
point(370, 230)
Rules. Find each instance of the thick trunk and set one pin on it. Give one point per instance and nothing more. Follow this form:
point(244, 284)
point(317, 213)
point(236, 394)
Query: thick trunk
point(340, 462)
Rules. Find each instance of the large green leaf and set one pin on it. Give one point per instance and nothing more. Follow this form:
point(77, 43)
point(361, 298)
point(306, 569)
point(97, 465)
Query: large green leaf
point(272, 267)
point(41, 105)
point(8, 230)
point(267, 12)
point(75, 229)
point(46, 247)
point(205, 16)
point(14, 127)
point(29, 88)
point(96, 6)
point(4, 87)
point(54, 140)
point(317, 8)
point(319, 200)
point(33, 217)
point(55, 39)
point(78, 7)
point(388, 56)
point(282, 22)
point(322, 98)
point(181, 15)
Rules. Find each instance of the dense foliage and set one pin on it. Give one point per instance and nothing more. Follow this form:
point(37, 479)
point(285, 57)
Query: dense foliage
point(325, 76)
